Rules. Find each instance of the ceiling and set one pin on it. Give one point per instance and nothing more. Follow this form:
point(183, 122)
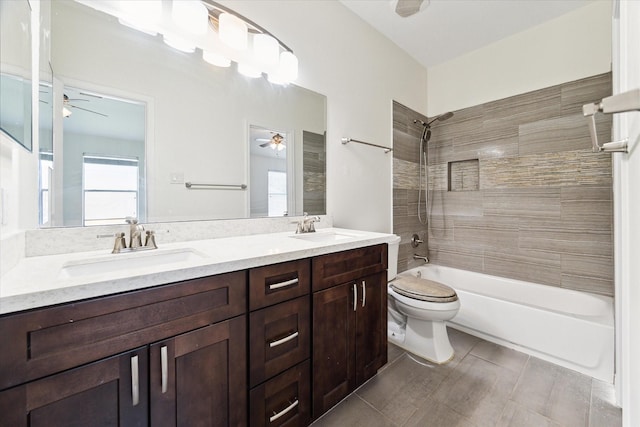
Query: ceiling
point(446, 29)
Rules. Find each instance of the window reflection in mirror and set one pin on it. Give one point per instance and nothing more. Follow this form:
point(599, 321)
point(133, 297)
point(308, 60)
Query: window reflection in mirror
point(270, 184)
point(103, 161)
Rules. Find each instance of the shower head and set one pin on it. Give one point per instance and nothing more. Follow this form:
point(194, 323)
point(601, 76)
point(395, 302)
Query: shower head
point(440, 118)
point(426, 133)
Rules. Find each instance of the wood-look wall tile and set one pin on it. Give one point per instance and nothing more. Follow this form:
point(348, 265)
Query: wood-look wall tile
point(448, 203)
point(566, 237)
point(523, 203)
point(509, 113)
point(554, 135)
point(531, 266)
point(487, 232)
point(400, 117)
point(465, 124)
point(406, 147)
point(487, 146)
point(575, 94)
point(457, 256)
point(404, 174)
point(588, 272)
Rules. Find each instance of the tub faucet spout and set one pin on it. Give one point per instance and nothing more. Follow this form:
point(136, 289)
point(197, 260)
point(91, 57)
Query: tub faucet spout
point(424, 258)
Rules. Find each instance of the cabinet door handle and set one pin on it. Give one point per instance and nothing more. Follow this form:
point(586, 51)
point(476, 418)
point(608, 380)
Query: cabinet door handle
point(284, 411)
point(135, 381)
point(364, 293)
point(164, 367)
point(283, 340)
point(283, 284)
point(355, 297)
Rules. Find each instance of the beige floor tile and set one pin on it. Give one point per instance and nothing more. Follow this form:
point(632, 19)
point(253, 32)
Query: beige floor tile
point(555, 392)
point(353, 412)
point(434, 414)
point(603, 410)
point(501, 356)
point(478, 390)
point(401, 389)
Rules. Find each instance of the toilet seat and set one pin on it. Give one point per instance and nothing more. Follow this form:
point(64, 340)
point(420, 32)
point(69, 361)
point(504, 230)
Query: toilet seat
point(423, 289)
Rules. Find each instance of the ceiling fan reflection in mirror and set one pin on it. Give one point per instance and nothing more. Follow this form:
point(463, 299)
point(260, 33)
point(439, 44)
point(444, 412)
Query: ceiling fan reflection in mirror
point(67, 106)
point(276, 142)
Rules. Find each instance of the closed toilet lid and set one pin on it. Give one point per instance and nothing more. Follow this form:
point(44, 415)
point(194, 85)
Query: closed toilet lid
point(423, 289)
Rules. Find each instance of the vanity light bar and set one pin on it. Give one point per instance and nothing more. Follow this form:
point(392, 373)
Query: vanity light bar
point(189, 24)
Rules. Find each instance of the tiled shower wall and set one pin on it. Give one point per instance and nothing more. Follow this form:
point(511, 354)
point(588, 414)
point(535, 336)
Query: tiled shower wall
point(515, 190)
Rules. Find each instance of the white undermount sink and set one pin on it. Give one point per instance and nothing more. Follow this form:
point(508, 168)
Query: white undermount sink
point(128, 261)
point(324, 236)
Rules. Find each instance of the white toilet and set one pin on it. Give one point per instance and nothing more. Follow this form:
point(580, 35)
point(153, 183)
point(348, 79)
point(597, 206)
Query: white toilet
point(417, 311)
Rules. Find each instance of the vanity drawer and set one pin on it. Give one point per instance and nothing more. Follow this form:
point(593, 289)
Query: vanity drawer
point(45, 341)
point(279, 338)
point(341, 267)
point(272, 284)
point(283, 400)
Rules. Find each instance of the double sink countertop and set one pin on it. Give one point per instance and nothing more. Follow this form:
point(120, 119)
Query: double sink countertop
point(54, 279)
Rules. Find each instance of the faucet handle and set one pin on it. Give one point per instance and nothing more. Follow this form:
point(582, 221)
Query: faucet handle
point(131, 220)
point(119, 244)
point(150, 241)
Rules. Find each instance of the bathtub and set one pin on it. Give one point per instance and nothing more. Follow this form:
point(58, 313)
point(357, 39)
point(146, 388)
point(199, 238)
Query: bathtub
point(569, 328)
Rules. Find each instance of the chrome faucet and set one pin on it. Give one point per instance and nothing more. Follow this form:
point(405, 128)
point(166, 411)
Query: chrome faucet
point(306, 224)
point(424, 258)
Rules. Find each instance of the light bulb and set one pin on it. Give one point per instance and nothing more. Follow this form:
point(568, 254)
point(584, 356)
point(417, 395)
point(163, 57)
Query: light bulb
point(141, 15)
point(288, 66)
point(191, 16)
point(233, 31)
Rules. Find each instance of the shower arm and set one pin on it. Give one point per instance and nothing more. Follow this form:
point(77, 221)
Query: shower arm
point(620, 103)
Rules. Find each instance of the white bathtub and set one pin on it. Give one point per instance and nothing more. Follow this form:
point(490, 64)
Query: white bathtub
point(569, 328)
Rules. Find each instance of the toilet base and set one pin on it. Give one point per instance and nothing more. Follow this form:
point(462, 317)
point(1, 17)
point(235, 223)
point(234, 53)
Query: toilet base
point(426, 339)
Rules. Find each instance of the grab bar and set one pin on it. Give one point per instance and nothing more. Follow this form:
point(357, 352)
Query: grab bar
point(216, 186)
point(348, 140)
point(620, 103)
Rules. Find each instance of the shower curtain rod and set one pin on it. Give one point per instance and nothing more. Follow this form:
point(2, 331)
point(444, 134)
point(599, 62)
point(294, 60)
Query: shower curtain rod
point(347, 140)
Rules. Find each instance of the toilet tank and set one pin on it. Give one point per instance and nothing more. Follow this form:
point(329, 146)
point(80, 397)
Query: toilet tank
point(392, 260)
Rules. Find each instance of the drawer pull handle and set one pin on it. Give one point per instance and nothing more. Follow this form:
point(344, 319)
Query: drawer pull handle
point(164, 367)
point(283, 412)
point(283, 284)
point(355, 297)
point(135, 381)
point(364, 293)
point(283, 340)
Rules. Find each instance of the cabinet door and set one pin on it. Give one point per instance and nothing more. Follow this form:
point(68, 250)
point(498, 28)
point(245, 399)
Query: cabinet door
point(199, 378)
point(333, 346)
point(371, 329)
point(110, 392)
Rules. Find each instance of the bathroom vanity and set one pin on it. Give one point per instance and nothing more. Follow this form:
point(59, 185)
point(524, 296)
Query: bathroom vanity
point(279, 341)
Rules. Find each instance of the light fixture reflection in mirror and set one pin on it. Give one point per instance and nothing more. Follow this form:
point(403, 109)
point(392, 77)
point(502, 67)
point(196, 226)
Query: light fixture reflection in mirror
point(187, 25)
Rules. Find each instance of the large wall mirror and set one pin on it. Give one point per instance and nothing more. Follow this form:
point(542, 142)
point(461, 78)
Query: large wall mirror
point(15, 71)
point(139, 128)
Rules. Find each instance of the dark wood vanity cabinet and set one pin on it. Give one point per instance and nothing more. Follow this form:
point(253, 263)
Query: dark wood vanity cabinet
point(280, 344)
point(349, 322)
point(267, 346)
point(170, 355)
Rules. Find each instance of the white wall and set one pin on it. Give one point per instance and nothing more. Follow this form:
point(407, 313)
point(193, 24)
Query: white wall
point(627, 211)
point(360, 72)
point(570, 47)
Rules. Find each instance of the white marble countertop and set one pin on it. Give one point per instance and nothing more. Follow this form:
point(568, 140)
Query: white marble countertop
point(40, 281)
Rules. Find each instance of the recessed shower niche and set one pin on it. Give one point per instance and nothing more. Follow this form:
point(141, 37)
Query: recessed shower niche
point(463, 175)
